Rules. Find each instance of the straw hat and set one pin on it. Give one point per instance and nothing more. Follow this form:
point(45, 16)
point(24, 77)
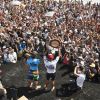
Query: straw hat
point(55, 43)
point(92, 65)
point(80, 57)
point(27, 55)
point(35, 52)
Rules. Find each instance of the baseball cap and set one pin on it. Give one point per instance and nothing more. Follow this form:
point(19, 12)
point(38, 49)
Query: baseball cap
point(50, 56)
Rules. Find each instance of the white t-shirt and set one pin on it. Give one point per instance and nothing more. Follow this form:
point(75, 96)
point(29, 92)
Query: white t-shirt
point(12, 57)
point(80, 80)
point(51, 65)
point(1, 87)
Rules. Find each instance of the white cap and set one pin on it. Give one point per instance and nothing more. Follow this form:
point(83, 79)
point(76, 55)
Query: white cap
point(80, 57)
point(70, 31)
point(4, 47)
point(82, 63)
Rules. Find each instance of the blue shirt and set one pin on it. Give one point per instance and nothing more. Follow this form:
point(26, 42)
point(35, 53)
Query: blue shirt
point(22, 46)
point(33, 63)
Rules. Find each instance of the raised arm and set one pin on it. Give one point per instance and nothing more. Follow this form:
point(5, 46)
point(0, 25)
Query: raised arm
point(75, 71)
point(59, 52)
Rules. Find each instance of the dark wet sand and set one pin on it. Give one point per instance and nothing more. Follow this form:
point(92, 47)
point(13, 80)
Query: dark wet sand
point(15, 79)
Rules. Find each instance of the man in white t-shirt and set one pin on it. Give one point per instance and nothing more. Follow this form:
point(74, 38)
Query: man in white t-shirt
point(12, 56)
point(50, 64)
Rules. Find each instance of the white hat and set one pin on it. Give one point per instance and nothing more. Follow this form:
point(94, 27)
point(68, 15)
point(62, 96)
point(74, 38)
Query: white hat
point(4, 47)
point(65, 42)
point(82, 63)
point(35, 37)
point(96, 60)
point(70, 31)
point(80, 57)
point(29, 33)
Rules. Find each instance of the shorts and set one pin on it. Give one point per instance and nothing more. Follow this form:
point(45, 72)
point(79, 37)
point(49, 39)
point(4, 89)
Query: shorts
point(50, 76)
point(32, 76)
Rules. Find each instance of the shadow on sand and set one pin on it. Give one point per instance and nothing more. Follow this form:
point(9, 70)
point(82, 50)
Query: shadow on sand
point(15, 93)
point(67, 90)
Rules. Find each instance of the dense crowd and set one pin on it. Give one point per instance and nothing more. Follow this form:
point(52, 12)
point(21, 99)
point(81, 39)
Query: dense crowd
point(28, 27)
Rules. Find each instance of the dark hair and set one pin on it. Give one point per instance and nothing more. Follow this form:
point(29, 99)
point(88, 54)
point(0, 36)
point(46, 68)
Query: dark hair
point(81, 68)
point(33, 55)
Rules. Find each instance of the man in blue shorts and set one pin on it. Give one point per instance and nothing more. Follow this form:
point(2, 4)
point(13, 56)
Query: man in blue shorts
point(33, 73)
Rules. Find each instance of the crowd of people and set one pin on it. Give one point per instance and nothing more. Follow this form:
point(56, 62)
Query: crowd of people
point(29, 27)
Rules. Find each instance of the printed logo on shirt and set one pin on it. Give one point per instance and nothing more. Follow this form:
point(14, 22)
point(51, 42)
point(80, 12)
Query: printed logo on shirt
point(51, 67)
